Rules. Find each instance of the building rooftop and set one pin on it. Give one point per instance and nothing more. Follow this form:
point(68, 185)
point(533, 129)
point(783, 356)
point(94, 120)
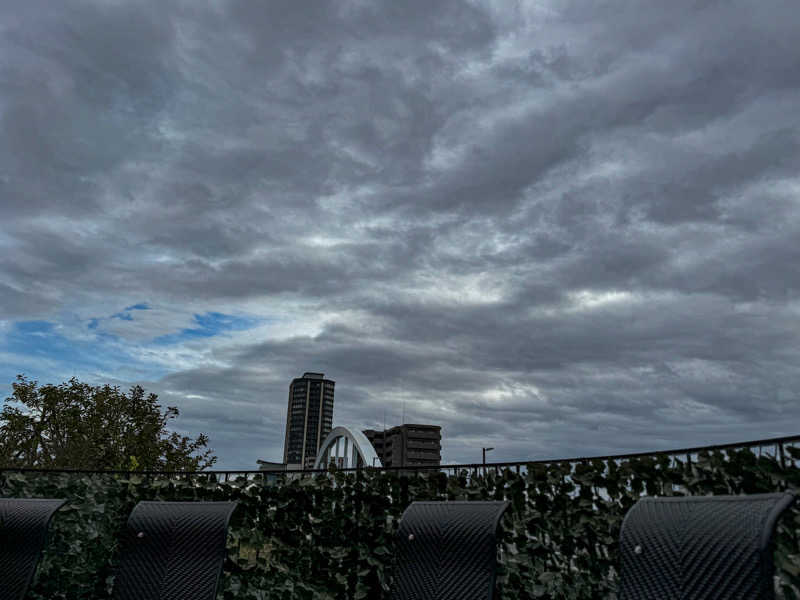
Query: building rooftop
point(313, 375)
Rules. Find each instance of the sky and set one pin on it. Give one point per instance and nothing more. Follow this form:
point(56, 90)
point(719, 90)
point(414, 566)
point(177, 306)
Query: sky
point(556, 228)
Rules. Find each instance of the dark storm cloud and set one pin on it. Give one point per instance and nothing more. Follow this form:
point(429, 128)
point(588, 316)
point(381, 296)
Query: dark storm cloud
point(555, 228)
point(80, 87)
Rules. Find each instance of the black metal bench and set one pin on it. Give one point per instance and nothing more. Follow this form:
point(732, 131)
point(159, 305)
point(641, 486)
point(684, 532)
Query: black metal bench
point(23, 532)
point(693, 547)
point(447, 550)
point(173, 551)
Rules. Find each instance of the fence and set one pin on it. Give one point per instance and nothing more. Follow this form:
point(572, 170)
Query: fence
point(331, 534)
point(778, 444)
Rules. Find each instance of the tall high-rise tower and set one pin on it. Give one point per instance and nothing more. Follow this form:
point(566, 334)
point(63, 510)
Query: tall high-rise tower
point(309, 419)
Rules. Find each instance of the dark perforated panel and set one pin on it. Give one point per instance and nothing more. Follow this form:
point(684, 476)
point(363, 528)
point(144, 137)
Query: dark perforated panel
point(23, 532)
point(447, 551)
point(705, 547)
point(173, 551)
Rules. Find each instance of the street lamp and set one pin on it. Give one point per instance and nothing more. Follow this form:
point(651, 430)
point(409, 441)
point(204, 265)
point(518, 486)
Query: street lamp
point(485, 450)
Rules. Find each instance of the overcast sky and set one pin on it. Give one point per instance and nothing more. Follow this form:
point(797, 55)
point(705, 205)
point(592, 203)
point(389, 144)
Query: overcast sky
point(553, 227)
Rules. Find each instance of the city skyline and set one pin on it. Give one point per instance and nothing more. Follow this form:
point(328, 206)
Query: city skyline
point(553, 228)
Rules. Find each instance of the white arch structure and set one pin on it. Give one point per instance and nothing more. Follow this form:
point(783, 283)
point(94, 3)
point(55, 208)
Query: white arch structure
point(347, 449)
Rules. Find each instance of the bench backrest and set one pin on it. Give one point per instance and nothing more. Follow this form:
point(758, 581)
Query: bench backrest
point(173, 551)
point(709, 547)
point(447, 550)
point(23, 533)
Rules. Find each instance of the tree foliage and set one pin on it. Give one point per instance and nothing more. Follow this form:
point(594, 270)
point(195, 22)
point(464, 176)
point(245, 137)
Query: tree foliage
point(74, 425)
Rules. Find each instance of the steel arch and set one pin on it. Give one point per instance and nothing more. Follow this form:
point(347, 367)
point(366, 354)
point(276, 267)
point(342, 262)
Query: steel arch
point(349, 448)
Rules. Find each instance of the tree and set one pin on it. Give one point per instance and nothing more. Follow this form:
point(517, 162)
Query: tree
point(78, 426)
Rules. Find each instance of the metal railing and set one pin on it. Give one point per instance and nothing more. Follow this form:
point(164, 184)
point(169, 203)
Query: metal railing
point(475, 468)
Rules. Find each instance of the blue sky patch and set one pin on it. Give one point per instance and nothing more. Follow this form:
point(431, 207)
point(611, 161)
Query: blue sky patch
point(208, 325)
point(40, 351)
point(44, 351)
point(34, 327)
point(140, 306)
point(126, 315)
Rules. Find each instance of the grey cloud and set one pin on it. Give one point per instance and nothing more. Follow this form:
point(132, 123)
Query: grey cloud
point(19, 304)
point(80, 91)
point(212, 158)
point(693, 193)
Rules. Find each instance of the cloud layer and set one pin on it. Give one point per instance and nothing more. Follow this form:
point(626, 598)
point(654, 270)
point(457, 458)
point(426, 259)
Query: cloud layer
point(552, 228)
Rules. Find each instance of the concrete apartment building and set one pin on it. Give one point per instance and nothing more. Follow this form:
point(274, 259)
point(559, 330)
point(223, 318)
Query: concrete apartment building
point(406, 445)
point(309, 419)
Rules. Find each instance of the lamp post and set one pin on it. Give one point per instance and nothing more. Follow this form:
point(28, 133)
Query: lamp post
point(485, 450)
